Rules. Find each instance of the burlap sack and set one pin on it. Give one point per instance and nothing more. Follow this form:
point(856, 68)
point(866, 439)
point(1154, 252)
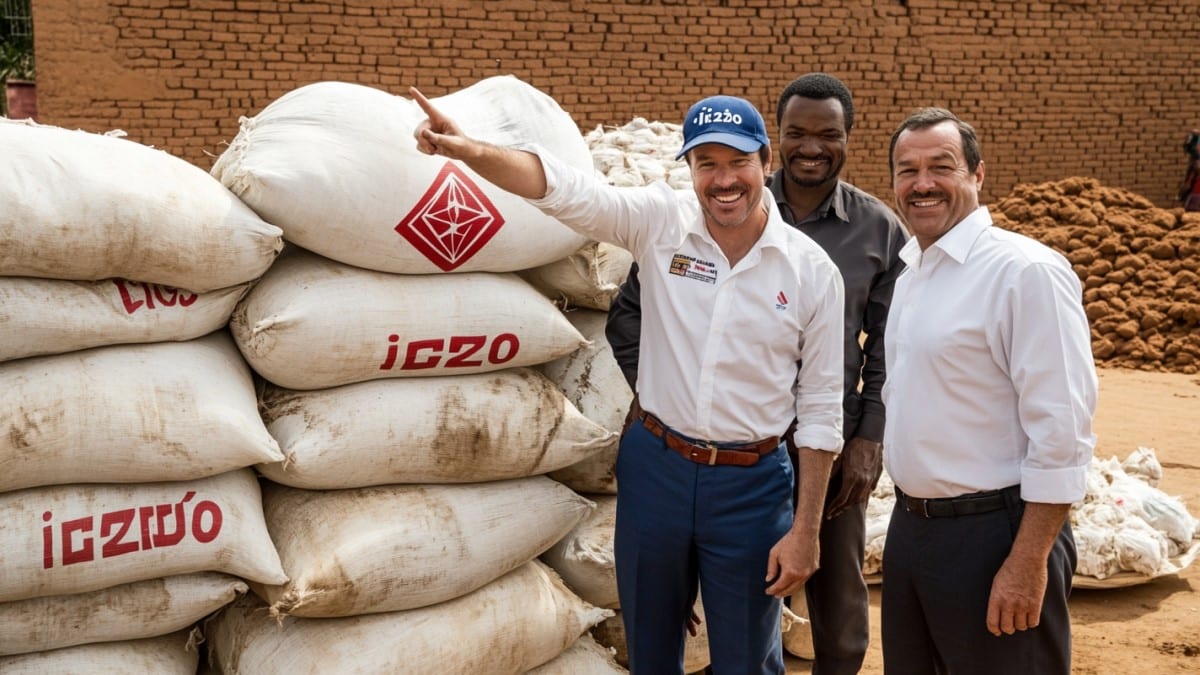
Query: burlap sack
point(585, 657)
point(336, 166)
point(127, 612)
point(86, 206)
point(591, 379)
point(313, 323)
point(130, 414)
point(611, 633)
point(52, 316)
point(588, 278)
point(173, 654)
point(455, 429)
point(584, 557)
point(387, 548)
point(797, 629)
point(509, 626)
point(77, 538)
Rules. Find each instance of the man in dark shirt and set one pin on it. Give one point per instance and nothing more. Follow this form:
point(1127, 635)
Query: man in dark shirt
point(864, 238)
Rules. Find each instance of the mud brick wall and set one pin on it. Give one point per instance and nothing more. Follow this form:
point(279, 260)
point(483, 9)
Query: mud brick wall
point(1056, 89)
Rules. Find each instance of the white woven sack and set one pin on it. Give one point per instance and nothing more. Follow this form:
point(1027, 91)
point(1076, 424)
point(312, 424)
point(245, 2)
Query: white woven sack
point(77, 538)
point(173, 654)
point(337, 167)
point(584, 557)
point(585, 657)
point(589, 277)
point(53, 316)
point(592, 380)
point(797, 629)
point(130, 414)
point(313, 323)
point(86, 206)
point(518, 622)
point(126, 612)
point(381, 549)
point(455, 429)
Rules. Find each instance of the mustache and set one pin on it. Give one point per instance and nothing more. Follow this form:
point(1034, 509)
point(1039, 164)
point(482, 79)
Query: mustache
point(736, 188)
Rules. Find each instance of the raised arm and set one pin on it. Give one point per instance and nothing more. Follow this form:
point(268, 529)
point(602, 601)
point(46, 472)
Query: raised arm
point(514, 171)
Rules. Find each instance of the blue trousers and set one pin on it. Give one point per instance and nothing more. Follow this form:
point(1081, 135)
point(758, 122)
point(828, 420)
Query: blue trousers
point(680, 523)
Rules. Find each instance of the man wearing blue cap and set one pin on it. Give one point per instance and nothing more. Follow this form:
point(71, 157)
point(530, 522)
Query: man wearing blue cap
point(734, 301)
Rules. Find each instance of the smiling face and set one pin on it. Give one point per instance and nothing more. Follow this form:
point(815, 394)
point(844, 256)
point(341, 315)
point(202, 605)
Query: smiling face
point(729, 184)
point(812, 141)
point(934, 187)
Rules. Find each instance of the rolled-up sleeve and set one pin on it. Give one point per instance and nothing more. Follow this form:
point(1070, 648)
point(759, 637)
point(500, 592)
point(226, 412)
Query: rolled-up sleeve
point(819, 383)
point(1054, 376)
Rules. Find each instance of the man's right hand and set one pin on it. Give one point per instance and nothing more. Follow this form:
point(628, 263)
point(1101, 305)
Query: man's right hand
point(438, 135)
point(514, 171)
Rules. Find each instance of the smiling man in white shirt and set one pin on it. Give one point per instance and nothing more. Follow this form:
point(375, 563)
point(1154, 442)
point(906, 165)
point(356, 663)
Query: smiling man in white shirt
point(990, 395)
point(734, 301)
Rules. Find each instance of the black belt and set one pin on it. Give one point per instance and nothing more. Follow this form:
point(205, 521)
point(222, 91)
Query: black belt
point(950, 507)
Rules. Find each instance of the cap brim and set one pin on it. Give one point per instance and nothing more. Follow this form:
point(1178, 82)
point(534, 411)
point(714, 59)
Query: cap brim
point(735, 141)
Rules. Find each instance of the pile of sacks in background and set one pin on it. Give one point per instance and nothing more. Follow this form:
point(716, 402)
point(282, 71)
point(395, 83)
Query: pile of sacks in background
point(400, 417)
point(1127, 531)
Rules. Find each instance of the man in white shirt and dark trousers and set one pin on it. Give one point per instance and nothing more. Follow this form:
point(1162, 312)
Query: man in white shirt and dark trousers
point(733, 300)
point(990, 394)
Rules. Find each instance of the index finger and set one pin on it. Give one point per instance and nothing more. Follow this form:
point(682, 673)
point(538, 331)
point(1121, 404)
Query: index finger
point(425, 103)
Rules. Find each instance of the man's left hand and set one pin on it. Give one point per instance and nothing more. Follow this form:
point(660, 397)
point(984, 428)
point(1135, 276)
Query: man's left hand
point(1015, 602)
point(861, 464)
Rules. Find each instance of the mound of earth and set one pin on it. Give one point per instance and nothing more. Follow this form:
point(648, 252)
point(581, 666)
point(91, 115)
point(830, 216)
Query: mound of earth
point(1139, 264)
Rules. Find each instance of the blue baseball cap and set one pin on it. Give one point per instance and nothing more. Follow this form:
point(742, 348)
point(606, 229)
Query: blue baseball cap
point(727, 120)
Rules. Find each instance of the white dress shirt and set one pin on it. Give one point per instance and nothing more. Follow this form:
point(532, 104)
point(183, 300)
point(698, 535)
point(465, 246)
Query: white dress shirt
point(719, 345)
point(990, 380)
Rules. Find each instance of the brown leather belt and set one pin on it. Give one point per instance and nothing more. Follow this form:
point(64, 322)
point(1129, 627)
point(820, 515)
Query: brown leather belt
point(950, 507)
point(706, 452)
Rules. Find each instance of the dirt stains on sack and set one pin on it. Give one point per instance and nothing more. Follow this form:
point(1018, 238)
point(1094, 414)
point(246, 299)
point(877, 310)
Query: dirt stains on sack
point(467, 433)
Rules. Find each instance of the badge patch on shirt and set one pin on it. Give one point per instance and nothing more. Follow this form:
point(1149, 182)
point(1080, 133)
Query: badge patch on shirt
point(687, 266)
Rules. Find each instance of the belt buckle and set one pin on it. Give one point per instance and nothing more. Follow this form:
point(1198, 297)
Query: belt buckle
point(712, 453)
point(923, 510)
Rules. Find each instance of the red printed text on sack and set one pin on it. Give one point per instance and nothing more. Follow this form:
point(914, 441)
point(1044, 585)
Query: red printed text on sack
point(138, 294)
point(457, 351)
point(116, 533)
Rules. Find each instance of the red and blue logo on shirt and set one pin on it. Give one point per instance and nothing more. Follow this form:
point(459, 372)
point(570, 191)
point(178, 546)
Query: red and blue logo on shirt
point(781, 301)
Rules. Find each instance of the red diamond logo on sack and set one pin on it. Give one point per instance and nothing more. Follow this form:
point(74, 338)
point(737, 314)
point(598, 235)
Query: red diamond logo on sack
point(452, 221)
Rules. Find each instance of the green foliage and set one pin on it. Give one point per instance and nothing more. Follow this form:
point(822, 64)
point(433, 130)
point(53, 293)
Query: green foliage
point(16, 41)
point(16, 58)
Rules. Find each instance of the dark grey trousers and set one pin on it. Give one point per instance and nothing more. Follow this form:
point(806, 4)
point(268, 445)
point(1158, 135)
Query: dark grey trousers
point(937, 576)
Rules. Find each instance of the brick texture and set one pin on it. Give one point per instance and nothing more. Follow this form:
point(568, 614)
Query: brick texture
point(1056, 89)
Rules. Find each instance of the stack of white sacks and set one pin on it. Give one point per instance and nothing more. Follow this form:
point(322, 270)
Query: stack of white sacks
point(399, 350)
point(129, 511)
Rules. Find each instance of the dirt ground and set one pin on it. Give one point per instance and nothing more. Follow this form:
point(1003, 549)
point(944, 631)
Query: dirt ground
point(1147, 628)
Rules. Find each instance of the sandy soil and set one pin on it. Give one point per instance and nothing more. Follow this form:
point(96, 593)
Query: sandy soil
point(1152, 627)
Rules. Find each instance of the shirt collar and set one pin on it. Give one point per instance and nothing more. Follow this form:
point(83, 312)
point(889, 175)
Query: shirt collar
point(834, 203)
point(956, 243)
